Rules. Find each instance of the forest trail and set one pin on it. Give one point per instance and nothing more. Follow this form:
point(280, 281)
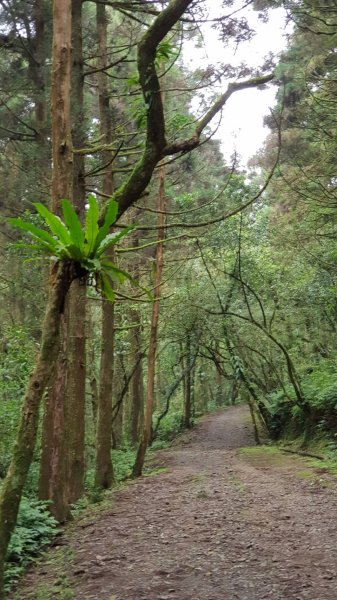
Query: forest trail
point(220, 524)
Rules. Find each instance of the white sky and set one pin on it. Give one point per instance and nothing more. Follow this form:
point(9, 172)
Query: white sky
point(242, 128)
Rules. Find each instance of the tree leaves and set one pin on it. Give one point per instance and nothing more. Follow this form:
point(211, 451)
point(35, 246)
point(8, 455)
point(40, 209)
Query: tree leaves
point(86, 246)
point(91, 224)
point(54, 223)
point(45, 241)
point(74, 224)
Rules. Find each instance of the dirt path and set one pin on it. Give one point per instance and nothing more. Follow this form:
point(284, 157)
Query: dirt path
point(220, 524)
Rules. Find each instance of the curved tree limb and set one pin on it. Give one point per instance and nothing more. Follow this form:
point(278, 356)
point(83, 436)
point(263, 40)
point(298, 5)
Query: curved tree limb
point(156, 146)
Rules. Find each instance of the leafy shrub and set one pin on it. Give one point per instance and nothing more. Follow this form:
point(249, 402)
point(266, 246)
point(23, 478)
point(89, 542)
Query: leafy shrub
point(169, 427)
point(16, 359)
point(280, 412)
point(320, 390)
point(35, 528)
point(212, 406)
point(159, 444)
point(123, 461)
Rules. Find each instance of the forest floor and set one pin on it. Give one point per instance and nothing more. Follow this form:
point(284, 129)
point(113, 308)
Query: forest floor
point(225, 521)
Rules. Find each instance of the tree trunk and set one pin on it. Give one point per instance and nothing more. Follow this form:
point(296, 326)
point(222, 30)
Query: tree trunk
point(151, 358)
point(120, 397)
point(91, 374)
point(188, 385)
point(255, 427)
point(62, 177)
point(218, 377)
point(137, 388)
point(234, 392)
point(52, 471)
point(74, 394)
point(104, 475)
point(52, 465)
point(75, 340)
point(37, 73)
point(14, 482)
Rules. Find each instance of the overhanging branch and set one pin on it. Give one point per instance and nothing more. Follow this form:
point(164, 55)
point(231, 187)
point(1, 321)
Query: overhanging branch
point(194, 141)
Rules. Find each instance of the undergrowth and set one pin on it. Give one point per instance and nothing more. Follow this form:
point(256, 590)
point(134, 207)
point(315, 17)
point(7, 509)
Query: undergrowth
point(35, 528)
point(288, 420)
point(170, 426)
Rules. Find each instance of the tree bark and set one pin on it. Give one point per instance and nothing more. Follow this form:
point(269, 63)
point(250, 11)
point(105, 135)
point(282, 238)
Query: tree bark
point(75, 335)
point(151, 358)
point(188, 385)
point(218, 377)
point(14, 482)
point(104, 475)
point(52, 471)
point(137, 384)
point(137, 387)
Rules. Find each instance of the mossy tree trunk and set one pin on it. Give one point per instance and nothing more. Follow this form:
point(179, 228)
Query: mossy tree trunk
point(52, 470)
point(188, 384)
point(14, 482)
point(75, 336)
point(218, 376)
point(137, 386)
point(151, 357)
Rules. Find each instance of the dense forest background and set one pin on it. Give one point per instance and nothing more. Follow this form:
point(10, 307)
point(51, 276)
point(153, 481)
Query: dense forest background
point(225, 284)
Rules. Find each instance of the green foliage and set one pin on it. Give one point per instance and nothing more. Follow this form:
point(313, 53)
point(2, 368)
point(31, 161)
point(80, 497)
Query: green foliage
point(69, 241)
point(35, 528)
point(320, 386)
point(16, 360)
point(237, 366)
point(320, 390)
point(170, 426)
point(165, 52)
point(123, 461)
point(138, 112)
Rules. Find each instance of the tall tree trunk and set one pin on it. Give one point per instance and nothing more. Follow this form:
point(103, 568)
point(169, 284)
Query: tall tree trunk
point(218, 376)
point(151, 358)
point(104, 475)
point(75, 340)
point(188, 385)
point(52, 468)
point(204, 390)
point(234, 392)
point(158, 388)
point(137, 387)
point(52, 465)
point(193, 392)
point(14, 482)
point(121, 387)
point(37, 73)
point(91, 371)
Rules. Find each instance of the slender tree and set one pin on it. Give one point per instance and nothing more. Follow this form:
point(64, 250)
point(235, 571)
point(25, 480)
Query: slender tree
point(104, 475)
point(151, 357)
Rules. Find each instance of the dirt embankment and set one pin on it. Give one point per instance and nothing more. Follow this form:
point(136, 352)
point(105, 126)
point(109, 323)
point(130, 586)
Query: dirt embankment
point(220, 524)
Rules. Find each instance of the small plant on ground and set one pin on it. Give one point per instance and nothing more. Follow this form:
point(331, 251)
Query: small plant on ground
point(35, 528)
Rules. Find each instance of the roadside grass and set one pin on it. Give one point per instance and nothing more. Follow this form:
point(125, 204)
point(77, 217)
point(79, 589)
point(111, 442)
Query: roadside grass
point(59, 585)
point(321, 471)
